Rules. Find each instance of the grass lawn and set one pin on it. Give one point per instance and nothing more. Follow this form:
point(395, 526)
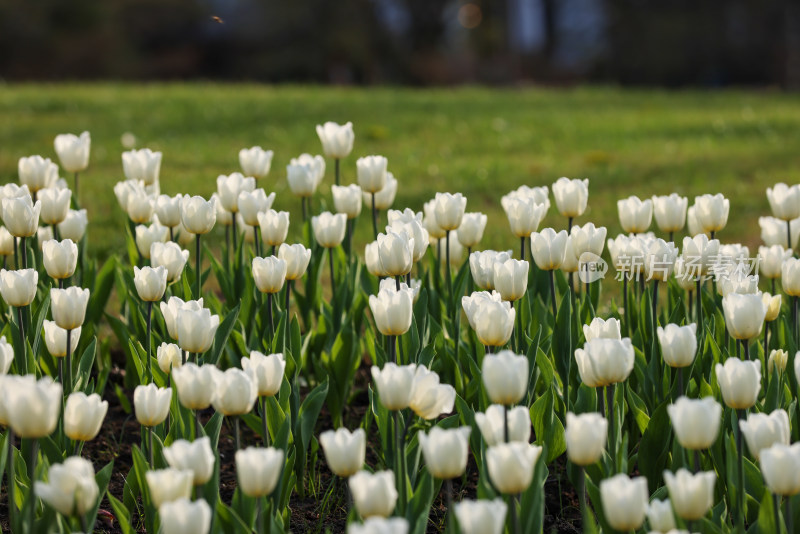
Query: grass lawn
point(482, 142)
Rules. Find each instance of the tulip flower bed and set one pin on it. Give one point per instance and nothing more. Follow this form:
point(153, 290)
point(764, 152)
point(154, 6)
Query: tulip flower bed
point(234, 367)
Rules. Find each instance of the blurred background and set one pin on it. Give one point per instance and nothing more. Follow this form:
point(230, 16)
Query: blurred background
point(671, 43)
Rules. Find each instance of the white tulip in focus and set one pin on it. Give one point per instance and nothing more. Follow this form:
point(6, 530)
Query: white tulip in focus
point(258, 470)
point(374, 494)
point(170, 309)
point(449, 210)
point(171, 256)
point(32, 407)
point(73, 151)
point(739, 382)
point(505, 377)
point(548, 248)
point(74, 226)
point(83, 416)
point(329, 229)
point(344, 450)
point(196, 329)
point(167, 485)
point(6, 242)
point(230, 187)
point(445, 451)
point(379, 525)
point(602, 329)
point(744, 314)
point(55, 339)
point(55, 204)
point(670, 212)
point(481, 517)
point(71, 488)
point(183, 516)
point(624, 501)
point(269, 274)
point(429, 220)
point(494, 322)
point(194, 456)
point(587, 238)
point(635, 214)
point(762, 431)
point(692, 495)
point(699, 252)
point(586, 435)
point(60, 258)
point(511, 466)
point(151, 404)
point(481, 266)
point(251, 203)
point(603, 362)
point(472, 303)
point(169, 357)
point(372, 259)
point(146, 236)
point(524, 215)
point(150, 283)
point(571, 196)
point(383, 198)
point(396, 252)
point(416, 234)
point(511, 278)
point(255, 161)
point(429, 398)
point(784, 201)
point(37, 173)
point(659, 260)
point(198, 215)
point(695, 421)
point(371, 172)
point(274, 227)
point(195, 385)
point(394, 384)
point(21, 215)
point(491, 424)
point(296, 257)
point(347, 200)
point(392, 311)
point(660, 516)
point(235, 392)
point(168, 210)
point(18, 288)
point(678, 344)
point(470, 232)
point(712, 211)
point(265, 371)
point(143, 165)
point(337, 139)
point(780, 467)
point(69, 306)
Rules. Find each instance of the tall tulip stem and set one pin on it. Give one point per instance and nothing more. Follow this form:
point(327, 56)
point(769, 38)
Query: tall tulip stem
point(512, 509)
point(788, 234)
point(787, 516)
point(264, 427)
point(451, 519)
point(77, 186)
point(680, 381)
point(12, 507)
point(34, 454)
point(149, 341)
point(740, 414)
point(794, 319)
point(150, 446)
point(400, 471)
point(374, 218)
point(696, 454)
point(257, 240)
point(392, 348)
point(333, 274)
point(776, 508)
point(68, 383)
point(198, 275)
point(447, 266)
point(305, 209)
point(269, 317)
point(21, 327)
point(625, 303)
point(699, 310)
point(16, 254)
point(237, 435)
point(24, 249)
point(288, 294)
point(336, 166)
point(582, 493)
point(746, 345)
point(553, 294)
point(611, 432)
point(505, 424)
point(655, 302)
point(521, 248)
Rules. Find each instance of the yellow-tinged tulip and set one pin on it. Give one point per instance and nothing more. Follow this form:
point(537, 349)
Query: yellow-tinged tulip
point(344, 450)
point(150, 282)
point(670, 212)
point(692, 495)
point(69, 306)
point(744, 314)
point(571, 196)
point(18, 288)
point(60, 258)
point(296, 257)
point(143, 165)
point(169, 357)
point(274, 227)
point(151, 404)
point(511, 466)
point(777, 361)
point(739, 382)
point(55, 204)
point(83, 416)
point(695, 421)
point(635, 214)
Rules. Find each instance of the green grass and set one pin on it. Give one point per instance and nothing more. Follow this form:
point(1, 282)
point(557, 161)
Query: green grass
point(482, 142)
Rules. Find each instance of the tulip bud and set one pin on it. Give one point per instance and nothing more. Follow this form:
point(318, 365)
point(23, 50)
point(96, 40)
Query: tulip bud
point(660, 515)
point(712, 212)
point(83, 416)
point(511, 466)
point(780, 466)
point(302, 179)
point(140, 206)
point(37, 173)
point(168, 210)
point(624, 501)
point(472, 303)
point(494, 322)
point(396, 253)
point(21, 215)
point(784, 201)
point(265, 371)
point(549, 248)
point(71, 489)
point(258, 470)
point(470, 231)
point(586, 435)
point(449, 210)
point(150, 283)
point(695, 421)
point(151, 404)
point(511, 279)
point(329, 229)
point(602, 362)
point(344, 450)
point(60, 258)
point(635, 214)
point(6, 242)
point(6, 356)
point(445, 451)
point(73, 151)
point(692, 495)
point(392, 311)
point(195, 384)
point(492, 424)
point(429, 398)
point(143, 165)
point(171, 257)
point(383, 198)
point(762, 431)
point(790, 276)
point(395, 385)
point(416, 235)
point(374, 494)
point(55, 204)
point(678, 344)
point(69, 306)
point(379, 525)
point(296, 257)
point(337, 139)
point(602, 329)
point(55, 338)
point(195, 457)
point(771, 259)
point(587, 238)
point(196, 329)
point(235, 392)
point(32, 407)
point(481, 265)
point(251, 203)
point(255, 161)
point(481, 517)
point(147, 236)
point(777, 361)
point(74, 226)
point(571, 196)
point(660, 259)
point(347, 200)
point(670, 212)
point(170, 311)
point(505, 377)
point(699, 252)
point(198, 215)
point(229, 187)
point(18, 288)
point(429, 221)
point(274, 227)
point(168, 485)
point(744, 315)
point(183, 516)
point(316, 164)
point(371, 172)
point(739, 382)
point(269, 274)
point(524, 214)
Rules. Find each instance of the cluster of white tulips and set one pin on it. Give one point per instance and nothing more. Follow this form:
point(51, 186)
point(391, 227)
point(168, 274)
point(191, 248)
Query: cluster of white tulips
point(669, 382)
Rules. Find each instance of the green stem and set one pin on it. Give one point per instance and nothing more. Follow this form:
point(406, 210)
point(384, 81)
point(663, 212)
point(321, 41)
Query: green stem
point(337, 170)
point(150, 446)
point(612, 438)
point(264, 427)
point(740, 490)
point(34, 453)
point(447, 266)
point(21, 326)
point(10, 477)
point(776, 508)
point(581, 489)
point(68, 383)
point(400, 462)
point(149, 342)
point(787, 515)
point(198, 274)
point(374, 218)
point(553, 294)
point(237, 436)
point(512, 508)
point(505, 424)
point(333, 274)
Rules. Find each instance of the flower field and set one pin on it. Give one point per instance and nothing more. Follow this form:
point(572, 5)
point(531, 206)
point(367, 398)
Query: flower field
point(326, 345)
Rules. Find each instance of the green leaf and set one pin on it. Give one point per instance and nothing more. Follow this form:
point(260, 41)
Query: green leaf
point(549, 429)
point(221, 337)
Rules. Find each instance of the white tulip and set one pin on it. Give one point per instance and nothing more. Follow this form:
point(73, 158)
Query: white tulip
point(511, 466)
point(777, 361)
point(670, 212)
point(744, 314)
point(55, 339)
point(383, 198)
point(587, 238)
point(265, 371)
point(329, 229)
point(255, 161)
point(395, 385)
point(660, 260)
point(635, 214)
point(712, 211)
point(337, 139)
point(6, 356)
point(60, 258)
point(379, 525)
point(470, 232)
point(169, 356)
point(371, 172)
point(624, 501)
point(194, 456)
point(549, 248)
point(147, 236)
point(660, 515)
point(780, 466)
point(296, 257)
point(524, 214)
point(183, 516)
point(151, 404)
point(143, 165)
point(73, 151)
point(762, 431)
point(235, 392)
point(37, 173)
point(481, 517)
point(511, 278)
point(692, 495)
point(18, 288)
point(21, 215)
point(74, 226)
point(416, 235)
point(429, 220)
point(198, 215)
point(494, 322)
point(449, 210)
point(195, 385)
point(32, 407)
point(481, 265)
point(168, 485)
point(678, 344)
point(170, 309)
point(274, 227)
point(699, 252)
point(251, 203)
point(168, 210)
point(739, 382)
point(374, 494)
point(150, 283)
point(55, 204)
point(571, 196)
point(695, 421)
point(229, 187)
point(170, 256)
point(392, 311)
point(315, 163)
point(71, 489)
point(775, 231)
point(83, 416)
point(492, 424)
point(445, 451)
point(602, 329)
point(429, 398)
point(603, 362)
point(344, 450)
point(790, 276)
point(784, 201)
point(586, 435)
point(347, 199)
point(505, 377)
